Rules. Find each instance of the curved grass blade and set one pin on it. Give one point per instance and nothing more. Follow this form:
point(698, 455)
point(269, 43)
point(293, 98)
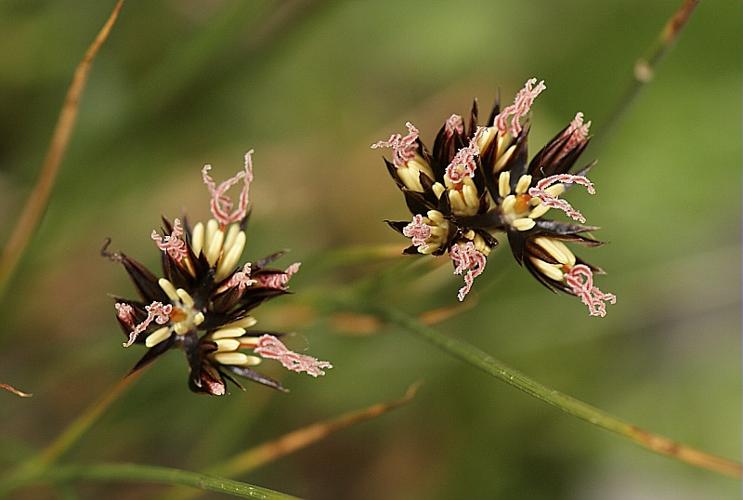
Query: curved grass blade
point(17, 392)
point(479, 359)
point(301, 438)
point(645, 66)
point(145, 474)
point(39, 197)
point(287, 444)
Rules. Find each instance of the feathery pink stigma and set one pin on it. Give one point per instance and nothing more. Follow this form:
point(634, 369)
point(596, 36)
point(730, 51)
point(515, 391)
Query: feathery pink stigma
point(221, 204)
point(241, 279)
point(464, 162)
point(467, 258)
point(172, 243)
point(576, 133)
point(404, 148)
point(125, 313)
point(418, 231)
point(215, 387)
point(520, 107)
point(539, 191)
point(454, 124)
point(279, 281)
point(580, 281)
point(156, 312)
point(270, 347)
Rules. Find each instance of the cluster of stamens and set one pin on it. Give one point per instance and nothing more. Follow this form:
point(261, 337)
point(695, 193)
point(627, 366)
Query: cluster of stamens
point(471, 195)
point(429, 233)
point(562, 268)
point(205, 261)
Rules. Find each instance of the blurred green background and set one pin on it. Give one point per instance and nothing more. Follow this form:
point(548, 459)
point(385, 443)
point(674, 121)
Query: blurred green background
point(310, 85)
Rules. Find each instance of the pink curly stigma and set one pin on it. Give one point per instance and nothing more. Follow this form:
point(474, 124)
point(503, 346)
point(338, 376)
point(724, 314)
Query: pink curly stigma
point(580, 281)
point(271, 348)
point(539, 191)
point(279, 281)
point(404, 149)
point(156, 312)
point(520, 107)
point(172, 243)
point(466, 258)
point(454, 124)
point(221, 204)
point(241, 279)
point(464, 162)
point(418, 231)
point(576, 133)
point(125, 313)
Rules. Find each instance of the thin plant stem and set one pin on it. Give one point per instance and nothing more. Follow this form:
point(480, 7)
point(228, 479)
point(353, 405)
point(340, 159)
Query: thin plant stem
point(17, 392)
point(645, 66)
point(260, 455)
point(39, 197)
point(479, 359)
point(143, 473)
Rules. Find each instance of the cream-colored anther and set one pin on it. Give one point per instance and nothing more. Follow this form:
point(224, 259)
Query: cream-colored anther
point(438, 189)
point(555, 190)
point(557, 249)
point(211, 227)
point(439, 231)
point(197, 238)
point(502, 142)
point(230, 236)
point(480, 245)
point(523, 224)
point(214, 247)
point(538, 211)
point(157, 336)
point(421, 165)
point(227, 345)
point(435, 216)
point(236, 358)
point(504, 184)
point(509, 202)
point(185, 297)
point(501, 161)
point(198, 318)
point(523, 184)
point(410, 177)
point(248, 342)
point(470, 197)
point(169, 289)
point(225, 333)
point(552, 271)
point(456, 201)
point(245, 322)
point(230, 257)
point(428, 248)
point(181, 328)
point(470, 234)
point(485, 137)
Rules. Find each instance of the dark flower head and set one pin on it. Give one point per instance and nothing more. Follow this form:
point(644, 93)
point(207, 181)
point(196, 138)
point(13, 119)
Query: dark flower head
point(203, 301)
point(477, 183)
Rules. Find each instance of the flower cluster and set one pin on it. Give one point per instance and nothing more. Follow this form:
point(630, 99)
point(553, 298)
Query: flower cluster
point(477, 183)
point(202, 302)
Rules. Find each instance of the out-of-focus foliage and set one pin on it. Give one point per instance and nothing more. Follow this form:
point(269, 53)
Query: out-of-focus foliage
point(310, 86)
